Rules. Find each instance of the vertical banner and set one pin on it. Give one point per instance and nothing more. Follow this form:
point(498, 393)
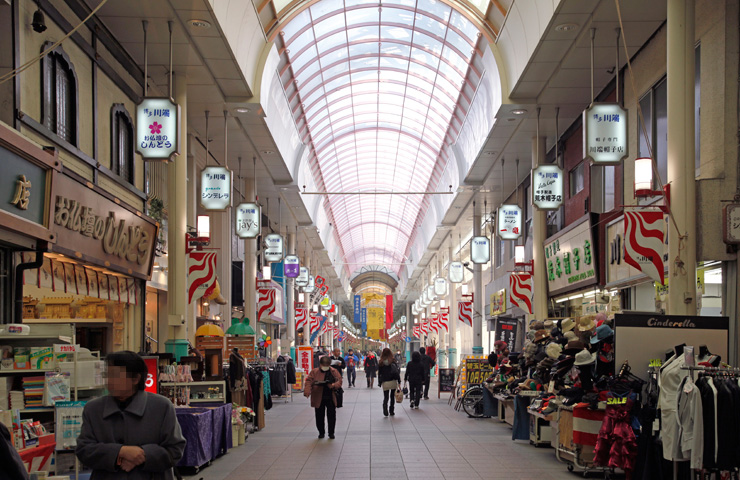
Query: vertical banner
point(305, 358)
point(358, 306)
point(465, 312)
point(265, 303)
point(643, 243)
point(507, 330)
point(363, 316)
point(201, 273)
point(388, 311)
point(522, 291)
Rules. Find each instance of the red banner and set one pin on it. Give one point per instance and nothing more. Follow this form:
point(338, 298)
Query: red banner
point(265, 303)
point(643, 243)
point(388, 311)
point(465, 312)
point(201, 274)
point(301, 317)
point(521, 291)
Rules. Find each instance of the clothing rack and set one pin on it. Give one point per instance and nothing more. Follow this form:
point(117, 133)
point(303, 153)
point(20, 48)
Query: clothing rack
point(725, 370)
point(282, 368)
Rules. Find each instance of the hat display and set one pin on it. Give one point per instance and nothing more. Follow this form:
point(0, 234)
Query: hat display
point(603, 332)
point(570, 335)
point(540, 335)
point(586, 324)
point(573, 347)
point(537, 325)
point(563, 366)
point(530, 349)
point(584, 357)
point(548, 324)
point(567, 324)
point(553, 350)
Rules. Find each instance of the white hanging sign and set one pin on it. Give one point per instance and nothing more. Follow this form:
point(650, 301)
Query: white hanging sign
point(274, 247)
point(248, 220)
point(547, 187)
point(302, 278)
point(157, 127)
point(440, 286)
point(292, 266)
point(480, 250)
point(457, 272)
point(605, 133)
point(215, 188)
point(430, 293)
point(414, 310)
point(311, 285)
point(509, 222)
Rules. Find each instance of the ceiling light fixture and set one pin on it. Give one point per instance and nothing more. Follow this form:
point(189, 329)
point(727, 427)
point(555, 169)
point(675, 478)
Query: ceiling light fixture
point(267, 152)
point(199, 23)
point(242, 110)
point(518, 111)
point(566, 27)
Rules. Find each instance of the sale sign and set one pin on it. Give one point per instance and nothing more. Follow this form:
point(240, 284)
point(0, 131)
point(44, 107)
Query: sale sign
point(152, 377)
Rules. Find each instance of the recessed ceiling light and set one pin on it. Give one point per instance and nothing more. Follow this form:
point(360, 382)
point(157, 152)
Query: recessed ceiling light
point(199, 23)
point(242, 110)
point(519, 111)
point(490, 153)
point(267, 152)
point(566, 27)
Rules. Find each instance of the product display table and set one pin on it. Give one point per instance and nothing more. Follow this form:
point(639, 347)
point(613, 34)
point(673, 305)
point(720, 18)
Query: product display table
point(207, 431)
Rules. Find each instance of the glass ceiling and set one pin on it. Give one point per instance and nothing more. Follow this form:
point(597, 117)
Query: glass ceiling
point(378, 86)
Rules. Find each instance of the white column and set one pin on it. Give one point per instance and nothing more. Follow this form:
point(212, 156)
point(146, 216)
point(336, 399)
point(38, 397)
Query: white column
point(306, 328)
point(250, 263)
point(478, 292)
point(453, 320)
point(290, 299)
point(539, 225)
point(409, 330)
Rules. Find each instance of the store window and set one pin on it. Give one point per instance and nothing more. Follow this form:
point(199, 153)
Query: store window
point(577, 181)
point(60, 95)
point(122, 143)
point(654, 106)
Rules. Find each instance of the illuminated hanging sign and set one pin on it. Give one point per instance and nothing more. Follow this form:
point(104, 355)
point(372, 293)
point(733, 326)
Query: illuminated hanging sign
point(292, 266)
point(457, 272)
point(480, 250)
point(157, 127)
point(508, 222)
point(302, 278)
point(273, 247)
point(440, 286)
point(248, 220)
point(310, 286)
point(547, 187)
point(605, 133)
point(215, 188)
point(430, 293)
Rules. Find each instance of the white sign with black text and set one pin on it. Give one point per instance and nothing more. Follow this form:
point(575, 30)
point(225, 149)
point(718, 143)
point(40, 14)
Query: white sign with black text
point(248, 220)
point(480, 250)
point(274, 247)
point(605, 133)
point(547, 187)
point(215, 188)
point(157, 125)
point(509, 222)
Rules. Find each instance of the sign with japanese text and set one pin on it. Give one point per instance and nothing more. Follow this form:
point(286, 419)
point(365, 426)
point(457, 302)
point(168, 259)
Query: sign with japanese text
point(357, 305)
point(248, 220)
point(302, 278)
point(731, 223)
point(375, 319)
point(498, 302)
point(547, 187)
point(570, 259)
point(618, 270)
point(457, 272)
point(310, 285)
point(363, 321)
point(215, 188)
point(273, 247)
point(292, 266)
point(440, 286)
point(305, 358)
point(477, 370)
point(605, 133)
point(157, 127)
point(507, 330)
point(480, 250)
point(509, 222)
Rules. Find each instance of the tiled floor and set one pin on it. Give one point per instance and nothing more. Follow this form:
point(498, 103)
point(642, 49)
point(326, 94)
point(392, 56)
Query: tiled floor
point(434, 442)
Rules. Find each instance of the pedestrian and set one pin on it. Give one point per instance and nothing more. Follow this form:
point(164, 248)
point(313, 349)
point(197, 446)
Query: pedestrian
point(321, 385)
point(428, 363)
point(129, 433)
point(399, 358)
point(389, 376)
point(351, 361)
point(415, 376)
point(337, 361)
point(371, 369)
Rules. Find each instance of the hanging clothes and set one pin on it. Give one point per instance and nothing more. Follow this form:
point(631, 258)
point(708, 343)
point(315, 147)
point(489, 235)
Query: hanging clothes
point(266, 383)
point(616, 446)
point(709, 421)
point(728, 431)
point(669, 380)
point(690, 432)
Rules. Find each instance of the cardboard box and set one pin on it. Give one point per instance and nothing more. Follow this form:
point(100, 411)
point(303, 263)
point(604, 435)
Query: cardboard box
point(41, 357)
point(22, 358)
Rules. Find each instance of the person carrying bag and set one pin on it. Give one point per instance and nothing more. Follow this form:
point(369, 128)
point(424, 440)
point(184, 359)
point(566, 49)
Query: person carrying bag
point(389, 376)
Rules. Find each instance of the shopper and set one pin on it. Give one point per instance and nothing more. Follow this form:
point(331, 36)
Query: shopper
point(389, 376)
point(428, 363)
point(129, 433)
point(415, 376)
point(371, 369)
point(321, 385)
point(399, 358)
point(13, 468)
point(337, 361)
point(351, 361)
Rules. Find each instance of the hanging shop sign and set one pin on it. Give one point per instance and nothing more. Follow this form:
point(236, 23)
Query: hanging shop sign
point(521, 286)
point(292, 266)
point(157, 127)
point(215, 188)
point(731, 223)
point(430, 293)
point(480, 250)
point(91, 226)
point(320, 281)
point(570, 258)
point(414, 310)
point(248, 220)
point(357, 305)
point(457, 272)
point(644, 241)
point(605, 133)
point(273, 247)
point(618, 270)
point(440, 286)
point(302, 278)
point(310, 286)
point(498, 302)
point(509, 222)
point(201, 275)
point(547, 187)
point(507, 330)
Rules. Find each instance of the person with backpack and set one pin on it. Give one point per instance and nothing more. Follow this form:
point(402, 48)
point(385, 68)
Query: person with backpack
point(371, 369)
point(351, 361)
point(389, 376)
point(415, 375)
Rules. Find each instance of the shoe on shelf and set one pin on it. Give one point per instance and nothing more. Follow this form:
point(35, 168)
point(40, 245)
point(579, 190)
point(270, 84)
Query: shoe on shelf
point(331, 436)
point(321, 435)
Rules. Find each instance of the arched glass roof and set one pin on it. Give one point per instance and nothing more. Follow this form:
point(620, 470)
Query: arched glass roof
point(376, 86)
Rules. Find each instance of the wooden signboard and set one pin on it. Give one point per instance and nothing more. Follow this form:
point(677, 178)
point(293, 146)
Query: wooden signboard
point(246, 346)
point(446, 381)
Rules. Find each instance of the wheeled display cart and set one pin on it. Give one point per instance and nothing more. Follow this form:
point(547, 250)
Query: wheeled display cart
point(578, 429)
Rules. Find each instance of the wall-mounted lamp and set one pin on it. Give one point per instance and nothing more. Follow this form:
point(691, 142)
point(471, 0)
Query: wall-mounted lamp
point(315, 309)
point(202, 235)
point(204, 227)
point(434, 309)
point(266, 272)
point(464, 288)
point(301, 297)
point(442, 304)
point(644, 183)
point(519, 254)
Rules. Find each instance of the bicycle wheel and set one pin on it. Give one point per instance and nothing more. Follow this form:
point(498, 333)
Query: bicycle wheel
point(472, 402)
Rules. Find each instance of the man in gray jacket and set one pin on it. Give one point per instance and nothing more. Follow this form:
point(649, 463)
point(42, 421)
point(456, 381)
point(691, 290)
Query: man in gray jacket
point(129, 434)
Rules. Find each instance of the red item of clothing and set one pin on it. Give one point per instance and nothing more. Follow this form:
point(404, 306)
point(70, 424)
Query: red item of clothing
point(616, 446)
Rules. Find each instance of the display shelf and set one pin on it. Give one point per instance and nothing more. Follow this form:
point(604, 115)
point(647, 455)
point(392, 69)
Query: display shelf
point(206, 400)
point(37, 410)
point(65, 321)
point(182, 384)
point(13, 371)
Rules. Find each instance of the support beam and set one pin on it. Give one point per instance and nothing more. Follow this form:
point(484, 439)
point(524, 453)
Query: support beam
point(539, 225)
point(479, 292)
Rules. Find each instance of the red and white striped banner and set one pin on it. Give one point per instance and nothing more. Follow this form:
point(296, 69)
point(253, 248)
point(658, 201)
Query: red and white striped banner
point(425, 327)
point(444, 321)
point(314, 324)
point(336, 332)
point(265, 303)
point(201, 274)
point(434, 322)
point(521, 291)
point(301, 317)
point(325, 327)
point(465, 312)
point(643, 243)
point(417, 331)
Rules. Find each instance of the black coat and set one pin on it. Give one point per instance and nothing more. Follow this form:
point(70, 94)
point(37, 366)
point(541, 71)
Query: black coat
point(386, 373)
point(428, 363)
point(342, 365)
point(371, 366)
point(12, 465)
point(415, 372)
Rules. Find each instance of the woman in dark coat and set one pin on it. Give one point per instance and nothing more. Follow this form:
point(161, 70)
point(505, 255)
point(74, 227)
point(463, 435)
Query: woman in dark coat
point(389, 376)
point(415, 374)
point(371, 368)
point(323, 395)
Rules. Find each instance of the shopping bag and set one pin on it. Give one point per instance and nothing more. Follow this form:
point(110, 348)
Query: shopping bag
point(399, 396)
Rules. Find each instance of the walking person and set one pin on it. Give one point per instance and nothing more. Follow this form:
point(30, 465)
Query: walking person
point(371, 369)
point(389, 376)
point(321, 385)
point(351, 360)
point(337, 361)
point(415, 375)
point(130, 433)
point(428, 363)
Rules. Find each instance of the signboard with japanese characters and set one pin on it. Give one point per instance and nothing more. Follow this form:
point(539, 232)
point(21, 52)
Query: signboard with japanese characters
point(480, 250)
point(547, 187)
point(731, 223)
point(157, 126)
point(292, 266)
point(440, 286)
point(605, 133)
point(457, 272)
point(618, 271)
point(274, 247)
point(570, 259)
point(215, 188)
point(302, 278)
point(498, 303)
point(509, 222)
point(248, 220)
